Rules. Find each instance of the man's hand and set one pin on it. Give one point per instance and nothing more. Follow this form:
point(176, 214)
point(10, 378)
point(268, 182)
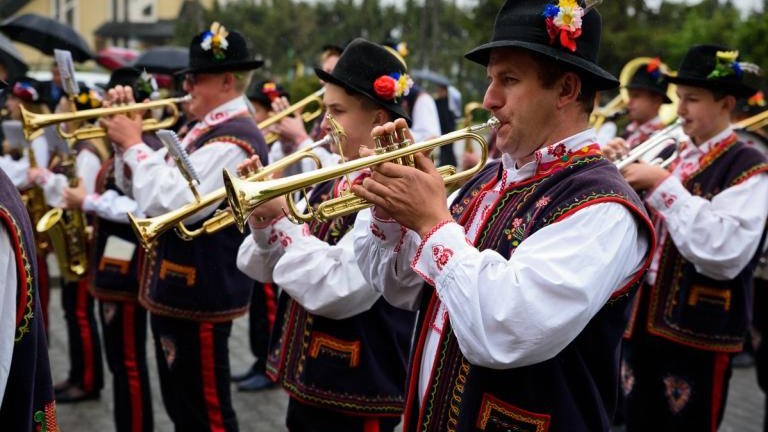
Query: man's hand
point(249, 166)
point(264, 214)
point(123, 130)
point(415, 197)
point(33, 174)
point(643, 176)
point(615, 149)
point(74, 196)
point(291, 128)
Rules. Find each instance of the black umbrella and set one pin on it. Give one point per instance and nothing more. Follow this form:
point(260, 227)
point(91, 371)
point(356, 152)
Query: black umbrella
point(428, 75)
point(163, 60)
point(46, 34)
point(11, 58)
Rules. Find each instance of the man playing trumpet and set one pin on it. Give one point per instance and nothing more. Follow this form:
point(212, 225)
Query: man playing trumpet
point(338, 348)
point(193, 289)
point(523, 282)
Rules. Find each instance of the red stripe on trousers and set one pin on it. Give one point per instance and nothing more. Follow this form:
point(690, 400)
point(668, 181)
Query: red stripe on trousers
point(131, 368)
point(371, 425)
point(209, 378)
point(721, 364)
point(269, 298)
point(81, 318)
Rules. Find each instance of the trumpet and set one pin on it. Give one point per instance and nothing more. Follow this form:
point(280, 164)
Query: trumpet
point(33, 124)
point(316, 97)
point(649, 149)
point(753, 123)
point(149, 229)
point(244, 196)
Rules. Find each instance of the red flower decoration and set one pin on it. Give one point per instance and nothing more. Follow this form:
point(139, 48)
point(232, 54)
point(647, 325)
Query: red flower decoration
point(385, 87)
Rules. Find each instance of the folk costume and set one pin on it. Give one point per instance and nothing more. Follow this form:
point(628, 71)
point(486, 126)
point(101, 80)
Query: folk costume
point(526, 292)
point(86, 370)
point(27, 402)
point(651, 79)
point(338, 348)
point(193, 290)
point(693, 310)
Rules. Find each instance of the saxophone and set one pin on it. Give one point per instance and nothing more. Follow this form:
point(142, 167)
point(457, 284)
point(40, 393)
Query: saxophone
point(67, 230)
point(34, 201)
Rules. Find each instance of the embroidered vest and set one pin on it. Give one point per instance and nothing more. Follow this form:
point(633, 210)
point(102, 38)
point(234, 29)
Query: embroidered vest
point(28, 402)
point(199, 279)
point(355, 365)
point(685, 306)
point(577, 389)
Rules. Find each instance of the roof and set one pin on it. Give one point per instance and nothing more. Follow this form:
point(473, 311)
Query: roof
point(162, 29)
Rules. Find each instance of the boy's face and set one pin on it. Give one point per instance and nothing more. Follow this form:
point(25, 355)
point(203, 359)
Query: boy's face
point(351, 115)
point(703, 116)
point(643, 105)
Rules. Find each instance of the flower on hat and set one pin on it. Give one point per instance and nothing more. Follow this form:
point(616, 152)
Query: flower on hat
point(725, 65)
point(147, 84)
point(654, 68)
point(269, 89)
point(756, 100)
point(393, 86)
point(90, 98)
point(215, 39)
point(25, 91)
point(563, 22)
point(402, 49)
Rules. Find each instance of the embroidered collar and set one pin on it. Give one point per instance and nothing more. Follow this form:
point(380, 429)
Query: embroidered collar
point(551, 157)
point(226, 111)
point(646, 128)
point(689, 151)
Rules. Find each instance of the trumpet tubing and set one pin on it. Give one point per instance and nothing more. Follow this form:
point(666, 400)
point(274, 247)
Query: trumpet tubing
point(34, 123)
point(148, 230)
point(244, 197)
point(316, 98)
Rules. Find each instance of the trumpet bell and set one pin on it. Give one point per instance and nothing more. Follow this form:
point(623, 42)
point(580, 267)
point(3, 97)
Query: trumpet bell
point(49, 220)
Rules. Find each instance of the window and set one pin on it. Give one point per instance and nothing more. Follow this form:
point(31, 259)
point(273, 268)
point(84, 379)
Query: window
point(65, 11)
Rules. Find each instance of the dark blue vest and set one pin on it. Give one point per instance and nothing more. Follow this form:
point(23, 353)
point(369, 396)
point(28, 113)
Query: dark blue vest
point(355, 365)
point(28, 403)
point(199, 279)
point(577, 389)
point(685, 306)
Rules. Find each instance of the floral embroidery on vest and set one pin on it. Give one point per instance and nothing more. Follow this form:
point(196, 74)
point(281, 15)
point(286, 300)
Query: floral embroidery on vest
point(677, 391)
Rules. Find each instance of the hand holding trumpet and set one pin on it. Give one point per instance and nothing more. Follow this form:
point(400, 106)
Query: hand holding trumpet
point(123, 130)
point(269, 211)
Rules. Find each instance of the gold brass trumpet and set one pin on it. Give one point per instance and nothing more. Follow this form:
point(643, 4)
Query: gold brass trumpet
point(149, 229)
point(245, 196)
point(33, 124)
point(316, 98)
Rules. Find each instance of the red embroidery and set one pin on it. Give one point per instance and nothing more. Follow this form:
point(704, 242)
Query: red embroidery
point(141, 156)
point(376, 231)
point(542, 202)
point(272, 237)
point(305, 230)
point(285, 240)
point(218, 115)
point(556, 151)
point(516, 222)
point(402, 239)
point(668, 199)
point(441, 255)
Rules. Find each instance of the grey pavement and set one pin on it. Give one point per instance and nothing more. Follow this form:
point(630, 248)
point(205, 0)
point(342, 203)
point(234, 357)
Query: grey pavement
point(265, 411)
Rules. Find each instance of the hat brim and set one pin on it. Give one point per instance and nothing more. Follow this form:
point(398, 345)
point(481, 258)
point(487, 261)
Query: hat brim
point(227, 67)
point(738, 90)
point(653, 90)
point(600, 78)
point(393, 107)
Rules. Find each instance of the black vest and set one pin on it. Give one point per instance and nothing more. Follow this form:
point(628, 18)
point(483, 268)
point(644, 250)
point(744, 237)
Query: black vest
point(28, 402)
point(683, 305)
point(577, 389)
point(355, 365)
point(199, 279)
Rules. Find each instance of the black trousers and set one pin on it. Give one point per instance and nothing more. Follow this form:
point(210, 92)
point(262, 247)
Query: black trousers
point(261, 317)
point(124, 327)
point(760, 325)
point(307, 418)
point(193, 365)
point(85, 367)
point(671, 387)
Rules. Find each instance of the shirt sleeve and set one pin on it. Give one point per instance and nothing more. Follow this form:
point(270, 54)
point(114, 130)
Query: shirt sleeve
point(257, 255)
point(426, 122)
point(159, 187)
point(525, 310)
point(40, 147)
point(7, 305)
point(384, 250)
point(16, 170)
point(87, 167)
point(719, 236)
point(323, 278)
point(111, 206)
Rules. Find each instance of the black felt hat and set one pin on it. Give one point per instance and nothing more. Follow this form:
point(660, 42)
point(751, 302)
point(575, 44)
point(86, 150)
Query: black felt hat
point(714, 67)
point(649, 77)
point(536, 25)
point(752, 105)
point(266, 91)
point(124, 76)
point(219, 50)
point(373, 71)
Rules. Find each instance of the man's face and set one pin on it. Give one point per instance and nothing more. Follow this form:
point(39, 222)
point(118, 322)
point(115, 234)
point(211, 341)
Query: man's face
point(13, 103)
point(350, 114)
point(643, 105)
point(205, 89)
point(701, 113)
point(517, 99)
